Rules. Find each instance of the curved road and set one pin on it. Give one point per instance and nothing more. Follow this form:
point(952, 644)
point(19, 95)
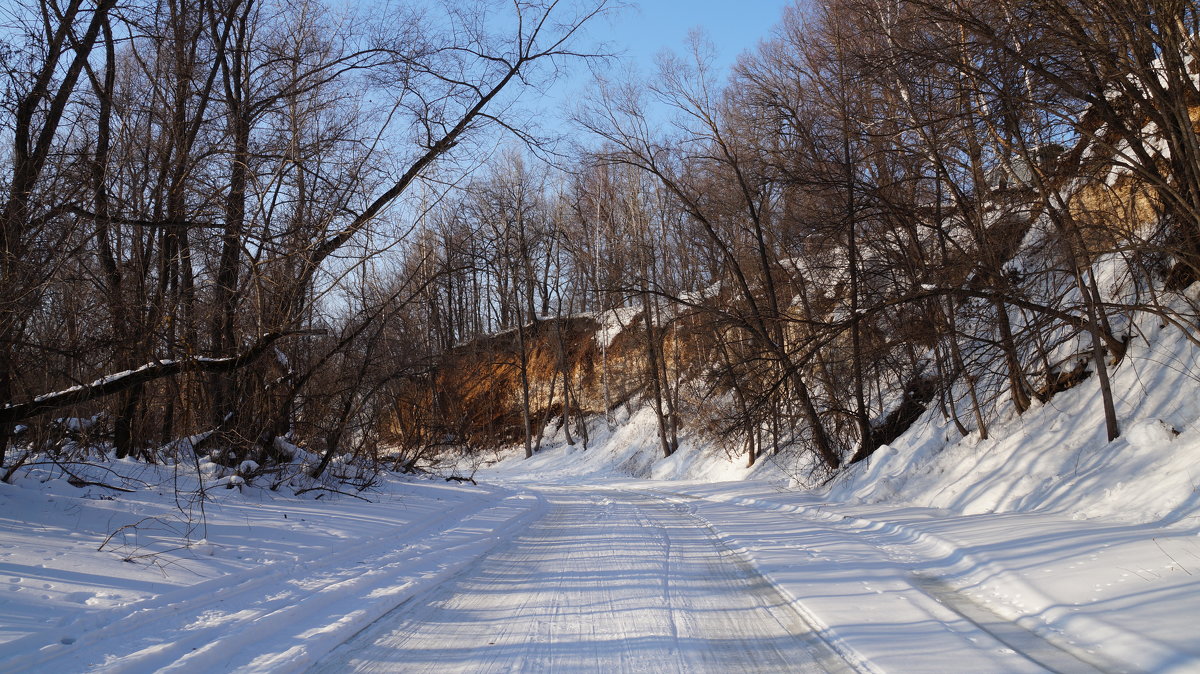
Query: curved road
point(606, 581)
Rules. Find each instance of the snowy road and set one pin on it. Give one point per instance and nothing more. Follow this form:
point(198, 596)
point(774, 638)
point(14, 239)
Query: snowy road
point(627, 575)
point(605, 581)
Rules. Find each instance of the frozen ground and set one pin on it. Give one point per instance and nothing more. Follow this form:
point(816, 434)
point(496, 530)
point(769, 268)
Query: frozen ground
point(273, 582)
point(608, 581)
point(612, 575)
point(1041, 548)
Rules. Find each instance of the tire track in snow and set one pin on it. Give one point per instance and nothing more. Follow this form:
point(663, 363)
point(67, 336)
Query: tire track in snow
point(1023, 641)
point(900, 544)
point(739, 571)
point(605, 581)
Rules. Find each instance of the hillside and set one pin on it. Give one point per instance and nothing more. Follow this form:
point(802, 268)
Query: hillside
point(1054, 457)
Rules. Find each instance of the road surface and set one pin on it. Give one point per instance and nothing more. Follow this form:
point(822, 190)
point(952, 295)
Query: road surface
point(605, 581)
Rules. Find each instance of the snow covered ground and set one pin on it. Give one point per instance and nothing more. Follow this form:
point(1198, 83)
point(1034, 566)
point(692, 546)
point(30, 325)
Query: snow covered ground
point(608, 575)
point(266, 584)
point(608, 581)
point(919, 589)
point(1045, 538)
point(1042, 548)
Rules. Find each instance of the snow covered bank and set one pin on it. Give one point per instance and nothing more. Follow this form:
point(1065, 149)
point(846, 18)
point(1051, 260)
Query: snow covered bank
point(1055, 457)
point(248, 579)
point(630, 448)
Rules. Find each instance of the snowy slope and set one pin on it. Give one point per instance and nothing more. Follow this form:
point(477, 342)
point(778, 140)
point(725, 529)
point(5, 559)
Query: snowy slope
point(1055, 457)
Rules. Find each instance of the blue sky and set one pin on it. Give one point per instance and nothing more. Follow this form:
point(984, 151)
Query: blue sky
point(733, 26)
point(644, 29)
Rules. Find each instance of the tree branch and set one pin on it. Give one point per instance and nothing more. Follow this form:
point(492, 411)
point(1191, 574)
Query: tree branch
point(115, 383)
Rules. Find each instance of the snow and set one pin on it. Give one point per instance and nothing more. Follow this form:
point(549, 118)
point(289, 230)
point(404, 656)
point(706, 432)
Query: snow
point(1055, 457)
point(612, 323)
point(1044, 533)
point(1102, 593)
point(579, 591)
point(1041, 547)
point(266, 581)
point(1149, 435)
point(229, 481)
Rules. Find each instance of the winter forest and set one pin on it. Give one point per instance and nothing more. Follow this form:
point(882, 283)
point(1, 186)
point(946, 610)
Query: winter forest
point(271, 252)
point(252, 226)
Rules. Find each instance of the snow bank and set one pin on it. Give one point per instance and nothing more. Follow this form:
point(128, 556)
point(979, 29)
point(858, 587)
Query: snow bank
point(1053, 458)
point(630, 448)
point(154, 579)
point(1056, 456)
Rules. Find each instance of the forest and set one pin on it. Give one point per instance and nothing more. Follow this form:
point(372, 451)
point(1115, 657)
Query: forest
point(297, 239)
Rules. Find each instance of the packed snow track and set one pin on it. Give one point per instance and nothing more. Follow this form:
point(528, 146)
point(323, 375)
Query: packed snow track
point(605, 581)
point(628, 575)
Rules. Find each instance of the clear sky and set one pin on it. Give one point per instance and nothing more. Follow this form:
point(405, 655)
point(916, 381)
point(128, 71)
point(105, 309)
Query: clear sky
point(733, 26)
point(645, 28)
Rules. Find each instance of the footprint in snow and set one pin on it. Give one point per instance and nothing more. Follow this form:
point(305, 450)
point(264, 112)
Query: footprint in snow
point(78, 597)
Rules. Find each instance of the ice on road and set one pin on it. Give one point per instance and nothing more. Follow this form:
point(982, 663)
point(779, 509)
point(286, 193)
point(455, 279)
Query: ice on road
point(602, 582)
